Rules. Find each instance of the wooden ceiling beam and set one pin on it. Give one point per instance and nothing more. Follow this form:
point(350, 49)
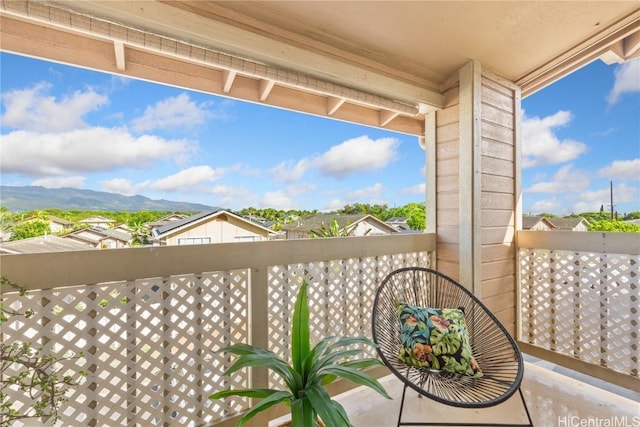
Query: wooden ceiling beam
point(118, 47)
point(227, 80)
point(333, 103)
point(266, 86)
point(386, 116)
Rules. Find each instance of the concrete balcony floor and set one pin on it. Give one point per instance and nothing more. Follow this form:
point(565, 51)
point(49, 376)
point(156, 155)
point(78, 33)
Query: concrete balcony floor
point(555, 397)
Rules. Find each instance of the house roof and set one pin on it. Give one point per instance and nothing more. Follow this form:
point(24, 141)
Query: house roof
point(397, 219)
point(96, 234)
point(315, 222)
point(568, 223)
point(59, 220)
point(174, 226)
point(49, 243)
point(528, 222)
point(376, 63)
point(166, 219)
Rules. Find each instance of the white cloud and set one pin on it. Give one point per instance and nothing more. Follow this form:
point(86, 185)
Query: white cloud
point(368, 193)
point(288, 171)
point(278, 200)
point(187, 180)
point(334, 205)
point(86, 150)
point(588, 201)
point(32, 109)
point(231, 197)
point(622, 193)
point(540, 145)
point(243, 169)
point(175, 112)
point(371, 194)
point(565, 180)
point(627, 80)
point(60, 182)
point(285, 198)
point(359, 154)
point(418, 189)
point(123, 186)
point(628, 170)
point(545, 206)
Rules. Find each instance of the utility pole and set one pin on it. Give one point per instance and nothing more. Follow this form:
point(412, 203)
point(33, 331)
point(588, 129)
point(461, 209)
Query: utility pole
point(611, 193)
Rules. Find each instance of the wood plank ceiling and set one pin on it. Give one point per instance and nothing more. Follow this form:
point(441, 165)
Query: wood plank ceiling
point(381, 64)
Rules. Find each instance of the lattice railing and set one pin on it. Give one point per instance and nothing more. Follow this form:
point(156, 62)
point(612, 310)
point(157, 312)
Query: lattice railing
point(150, 344)
point(582, 304)
point(341, 294)
point(147, 345)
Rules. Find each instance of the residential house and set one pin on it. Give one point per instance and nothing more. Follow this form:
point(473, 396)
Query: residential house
point(268, 223)
point(570, 224)
point(5, 236)
point(102, 238)
point(537, 223)
point(58, 225)
point(123, 228)
point(42, 244)
point(354, 225)
point(98, 221)
point(215, 226)
point(399, 223)
point(152, 225)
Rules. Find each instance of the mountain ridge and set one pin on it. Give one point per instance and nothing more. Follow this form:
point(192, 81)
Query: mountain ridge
point(27, 198)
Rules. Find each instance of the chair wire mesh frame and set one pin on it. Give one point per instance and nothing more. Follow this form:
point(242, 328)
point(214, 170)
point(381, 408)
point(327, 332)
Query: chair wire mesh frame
point(494, 349)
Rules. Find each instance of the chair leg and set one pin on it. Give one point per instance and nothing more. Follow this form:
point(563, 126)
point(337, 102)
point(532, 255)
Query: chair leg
point(400, 423)
point(526, 408)
point(404, 391)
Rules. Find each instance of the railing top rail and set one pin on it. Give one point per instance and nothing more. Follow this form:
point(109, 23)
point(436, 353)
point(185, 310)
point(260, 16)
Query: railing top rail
point(596, 242)
point(50, 270)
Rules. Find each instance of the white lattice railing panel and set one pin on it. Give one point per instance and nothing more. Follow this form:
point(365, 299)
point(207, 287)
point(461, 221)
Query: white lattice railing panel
point(148, 346)
point(149, 343)
point(340, 294)
point(584, 305)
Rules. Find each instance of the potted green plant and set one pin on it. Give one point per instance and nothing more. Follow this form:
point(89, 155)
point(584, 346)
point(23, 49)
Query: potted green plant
point(310, 370)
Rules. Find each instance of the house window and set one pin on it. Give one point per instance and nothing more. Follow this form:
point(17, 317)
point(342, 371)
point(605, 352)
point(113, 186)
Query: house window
point(245, 238)
point(194, 240)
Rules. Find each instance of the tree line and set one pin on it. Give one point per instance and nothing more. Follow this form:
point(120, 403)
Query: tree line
point(601, 221)
point(35, 223)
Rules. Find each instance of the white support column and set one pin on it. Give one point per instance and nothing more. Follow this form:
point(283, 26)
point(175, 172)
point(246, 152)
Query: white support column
point(429, 145)
point(469, 175)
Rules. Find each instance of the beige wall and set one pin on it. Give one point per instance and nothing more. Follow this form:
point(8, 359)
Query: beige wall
point(477, 185)
point(366, 228)
point(220, 230)
point(498, 203)
point(447, 184)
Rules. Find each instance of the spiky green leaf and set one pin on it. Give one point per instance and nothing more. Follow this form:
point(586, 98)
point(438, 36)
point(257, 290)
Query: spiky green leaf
point(355, 376)
point(274, 399)
point(324, 406)
point(300, 343)
point(269, 361)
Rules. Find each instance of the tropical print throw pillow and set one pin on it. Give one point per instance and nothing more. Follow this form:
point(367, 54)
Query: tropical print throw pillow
point(436, 338)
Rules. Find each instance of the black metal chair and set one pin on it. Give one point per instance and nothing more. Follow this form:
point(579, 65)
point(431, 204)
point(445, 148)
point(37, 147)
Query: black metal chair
point(495, 351)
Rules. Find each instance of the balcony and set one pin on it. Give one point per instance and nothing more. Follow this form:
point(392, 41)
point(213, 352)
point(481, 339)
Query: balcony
point(147, 322)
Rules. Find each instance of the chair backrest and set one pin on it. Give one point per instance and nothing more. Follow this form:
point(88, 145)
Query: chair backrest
point(493, 347)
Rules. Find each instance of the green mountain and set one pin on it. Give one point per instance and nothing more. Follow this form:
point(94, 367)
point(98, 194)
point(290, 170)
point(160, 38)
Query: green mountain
point(20, 199)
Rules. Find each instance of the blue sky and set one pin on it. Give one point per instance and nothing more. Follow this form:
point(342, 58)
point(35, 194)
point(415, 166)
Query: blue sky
point(69, 127)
